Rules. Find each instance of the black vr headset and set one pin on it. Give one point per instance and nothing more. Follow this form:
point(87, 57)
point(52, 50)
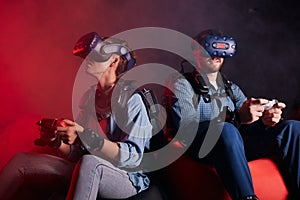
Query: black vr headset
point(101, 50)
point(220, 46)
point(215, 44)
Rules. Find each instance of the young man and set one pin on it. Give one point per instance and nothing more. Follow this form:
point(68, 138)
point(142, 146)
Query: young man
point(104, 154)
point(221, 109)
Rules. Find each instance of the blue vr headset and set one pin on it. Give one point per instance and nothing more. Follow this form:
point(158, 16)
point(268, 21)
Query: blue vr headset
point(97, 48)
point(220, 46)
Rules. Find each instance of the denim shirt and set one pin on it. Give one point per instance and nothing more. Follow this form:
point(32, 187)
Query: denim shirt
point(133, 138)
point(189, 107)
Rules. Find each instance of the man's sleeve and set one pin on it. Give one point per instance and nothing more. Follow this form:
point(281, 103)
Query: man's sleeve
point(239, 96)
point(184, 104)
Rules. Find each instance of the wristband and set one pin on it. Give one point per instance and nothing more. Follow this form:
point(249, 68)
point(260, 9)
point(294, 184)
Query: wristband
point(91, 140)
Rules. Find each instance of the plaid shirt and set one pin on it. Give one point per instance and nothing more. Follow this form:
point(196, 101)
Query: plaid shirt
point(187, 106)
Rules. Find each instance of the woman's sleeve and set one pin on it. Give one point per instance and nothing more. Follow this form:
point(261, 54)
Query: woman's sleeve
point(133, 121)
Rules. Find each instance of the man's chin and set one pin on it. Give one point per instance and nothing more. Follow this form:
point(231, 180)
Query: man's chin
point(210, 71)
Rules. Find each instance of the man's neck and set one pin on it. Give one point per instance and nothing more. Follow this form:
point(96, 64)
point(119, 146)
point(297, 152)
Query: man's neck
point(212, 78)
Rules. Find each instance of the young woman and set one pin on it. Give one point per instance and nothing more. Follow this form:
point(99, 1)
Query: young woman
point(104, 155)
point(103, 174)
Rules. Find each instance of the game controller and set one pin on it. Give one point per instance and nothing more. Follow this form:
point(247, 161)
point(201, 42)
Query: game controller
point(270, 104)
point(48, 132)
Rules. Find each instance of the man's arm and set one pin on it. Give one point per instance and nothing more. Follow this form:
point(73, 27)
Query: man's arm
point(184, 105)
point(251, 110)
point(272, 116)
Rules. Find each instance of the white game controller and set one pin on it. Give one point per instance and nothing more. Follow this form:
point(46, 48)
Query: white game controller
point(270, 104)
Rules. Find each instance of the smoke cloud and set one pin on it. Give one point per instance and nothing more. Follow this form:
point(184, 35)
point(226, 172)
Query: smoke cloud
point(38, 68)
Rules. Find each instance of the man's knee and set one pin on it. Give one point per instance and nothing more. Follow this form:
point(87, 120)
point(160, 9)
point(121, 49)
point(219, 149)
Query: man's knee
point(295, 125)
point(230, 136)
point(292, 127)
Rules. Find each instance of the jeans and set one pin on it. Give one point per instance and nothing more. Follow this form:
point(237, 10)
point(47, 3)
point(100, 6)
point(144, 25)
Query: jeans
point(231, 153)
point(282, 142)
point(35, 176)
point(98, 178)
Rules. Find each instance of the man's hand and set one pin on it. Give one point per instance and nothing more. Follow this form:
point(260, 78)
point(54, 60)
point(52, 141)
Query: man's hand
point(252, 110)
point(69, 132)
point(272, 116)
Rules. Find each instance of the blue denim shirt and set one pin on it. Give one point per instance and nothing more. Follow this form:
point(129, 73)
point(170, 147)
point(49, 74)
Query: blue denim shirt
point(133, 138)
point(186, 107)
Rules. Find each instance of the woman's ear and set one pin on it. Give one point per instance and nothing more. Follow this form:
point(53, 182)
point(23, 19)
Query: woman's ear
point(115, 61)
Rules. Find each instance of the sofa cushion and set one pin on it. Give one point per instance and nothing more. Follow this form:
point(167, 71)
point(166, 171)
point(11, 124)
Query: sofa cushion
point(188, 179)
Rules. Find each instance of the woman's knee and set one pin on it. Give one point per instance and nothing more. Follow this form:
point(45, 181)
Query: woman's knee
point(91, 163)
point(91, 159)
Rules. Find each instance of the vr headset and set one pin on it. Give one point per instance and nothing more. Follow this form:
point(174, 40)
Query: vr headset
point(98, 49)
point(220, 46)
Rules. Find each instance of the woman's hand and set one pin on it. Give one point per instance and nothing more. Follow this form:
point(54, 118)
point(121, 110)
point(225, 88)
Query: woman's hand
point(68, 133)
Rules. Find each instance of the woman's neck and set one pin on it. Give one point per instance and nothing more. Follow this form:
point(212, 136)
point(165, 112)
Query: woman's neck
point(107, 82)
point(106, 88)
